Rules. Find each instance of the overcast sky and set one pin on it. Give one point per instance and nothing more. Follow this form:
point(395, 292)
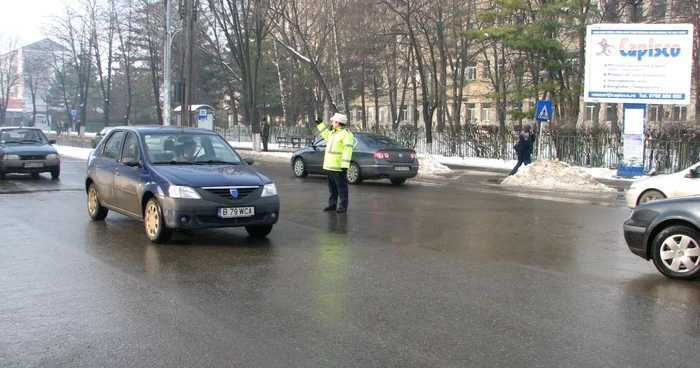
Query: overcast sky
point(25, 19)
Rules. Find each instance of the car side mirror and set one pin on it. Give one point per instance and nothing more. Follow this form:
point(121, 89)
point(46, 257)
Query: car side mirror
point(52, 141)
point(248, 160)
point(131, 162)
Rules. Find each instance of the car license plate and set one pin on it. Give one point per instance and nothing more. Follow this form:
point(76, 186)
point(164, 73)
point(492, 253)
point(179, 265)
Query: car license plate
point(402, 168)
point(31, 165)
point(231, 212)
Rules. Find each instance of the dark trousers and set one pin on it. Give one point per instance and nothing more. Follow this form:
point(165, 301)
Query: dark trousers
point(521, 160)
point(264, 142)
point(338, 188)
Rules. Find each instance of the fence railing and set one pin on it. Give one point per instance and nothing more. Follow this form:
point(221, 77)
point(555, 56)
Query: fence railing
point(606, 152)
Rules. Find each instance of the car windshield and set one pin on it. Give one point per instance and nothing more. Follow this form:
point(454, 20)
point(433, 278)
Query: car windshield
point(189, 149)
point(23, 136)
point(376, 141)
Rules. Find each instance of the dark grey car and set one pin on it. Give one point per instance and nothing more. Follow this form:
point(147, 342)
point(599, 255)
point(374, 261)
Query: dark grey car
point(667, 232)
point(374, 157)
point(27, 151)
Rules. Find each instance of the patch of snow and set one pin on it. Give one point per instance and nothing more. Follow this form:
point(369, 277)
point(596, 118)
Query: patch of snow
point(73, 152)
point(545, 174)
point(428, 166)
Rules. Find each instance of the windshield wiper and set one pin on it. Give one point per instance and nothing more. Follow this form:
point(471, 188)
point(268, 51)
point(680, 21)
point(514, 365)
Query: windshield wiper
point(173, 162)
point(31, 140)
point(215, 162)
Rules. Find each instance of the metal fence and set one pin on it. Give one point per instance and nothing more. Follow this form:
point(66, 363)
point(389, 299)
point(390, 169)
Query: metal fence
point(659, 156)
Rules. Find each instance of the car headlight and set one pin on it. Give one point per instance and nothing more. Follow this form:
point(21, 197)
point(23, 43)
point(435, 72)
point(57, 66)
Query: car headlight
point(10, 157)
point(53, 156)
point(269, 190)
point(178, 191)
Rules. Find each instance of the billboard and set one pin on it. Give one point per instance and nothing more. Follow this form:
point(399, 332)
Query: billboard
point(639, 63)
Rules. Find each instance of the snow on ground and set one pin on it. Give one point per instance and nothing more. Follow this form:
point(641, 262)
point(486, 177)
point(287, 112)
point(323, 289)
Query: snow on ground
point(546, 174)
point(560, 176)
point(428, 166)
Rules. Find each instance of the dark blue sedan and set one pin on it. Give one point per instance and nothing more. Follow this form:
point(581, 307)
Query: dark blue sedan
point(176, 178)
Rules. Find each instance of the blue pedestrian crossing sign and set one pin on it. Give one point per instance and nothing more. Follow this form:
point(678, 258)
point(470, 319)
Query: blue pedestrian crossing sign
point(544, 111)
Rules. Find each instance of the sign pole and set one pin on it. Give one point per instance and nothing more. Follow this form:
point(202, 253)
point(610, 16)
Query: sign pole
point(543, 114)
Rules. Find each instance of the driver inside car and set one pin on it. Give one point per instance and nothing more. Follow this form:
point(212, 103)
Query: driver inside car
point(189, 149)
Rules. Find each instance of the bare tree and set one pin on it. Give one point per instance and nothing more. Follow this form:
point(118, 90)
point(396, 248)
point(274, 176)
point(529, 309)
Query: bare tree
point(37, 75)
point(411, 13)
point(75, 32)
point(103, 26)
point(10, 79)
point(245, 25)
point(688, 11)
point(306, 40)
point(124, 23)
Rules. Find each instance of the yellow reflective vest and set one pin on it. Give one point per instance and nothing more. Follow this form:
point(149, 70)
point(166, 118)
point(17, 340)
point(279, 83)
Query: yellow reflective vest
point(339, 145)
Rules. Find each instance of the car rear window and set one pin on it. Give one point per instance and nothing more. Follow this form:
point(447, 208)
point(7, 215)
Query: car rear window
point(380, 142)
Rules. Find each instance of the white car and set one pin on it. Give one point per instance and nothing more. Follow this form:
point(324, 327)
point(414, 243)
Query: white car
point(679, 184)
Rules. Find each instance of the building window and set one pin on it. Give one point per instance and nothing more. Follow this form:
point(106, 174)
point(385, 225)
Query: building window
point(358, 115)
point(404, 114)
point(590, 112)
point(680, 113)
point(370, 114)
point(471, 113)
point(485, 112)
point(655, 113)
point(500, 68)
point(611, 112)
point(485, 70)
point(381, 115)
point(470, 72)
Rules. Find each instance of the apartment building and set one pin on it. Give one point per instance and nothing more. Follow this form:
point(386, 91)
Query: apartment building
point(33, 67)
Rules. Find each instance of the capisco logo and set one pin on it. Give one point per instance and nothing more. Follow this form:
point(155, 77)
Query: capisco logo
point(651, 49)
point(605, 48)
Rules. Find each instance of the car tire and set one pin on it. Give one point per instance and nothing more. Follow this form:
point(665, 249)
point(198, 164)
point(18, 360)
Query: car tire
point(299, 168)
point(93, 144)
point(95, 209)
point(35, 176)
point(398, 181)
point(650, 195)
point(676, 252)
point(55, 174)
point(2, 175)
point(258, 231)
point(354, 175)
point(154, 224)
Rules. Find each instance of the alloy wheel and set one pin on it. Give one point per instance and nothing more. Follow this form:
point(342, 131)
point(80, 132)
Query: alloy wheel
point(152, 220)
point(680, 253)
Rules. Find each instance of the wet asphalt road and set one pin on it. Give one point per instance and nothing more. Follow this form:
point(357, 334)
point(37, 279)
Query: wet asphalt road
point(441, 272)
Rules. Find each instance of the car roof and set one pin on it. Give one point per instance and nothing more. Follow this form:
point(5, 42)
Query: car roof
point(371, 135)
point(160, 129)
point(18, 127)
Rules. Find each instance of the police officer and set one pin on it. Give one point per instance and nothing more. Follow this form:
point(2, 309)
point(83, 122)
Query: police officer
point(339, 144)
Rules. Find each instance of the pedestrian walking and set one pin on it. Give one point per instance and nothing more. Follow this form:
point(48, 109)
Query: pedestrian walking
point(265, 133)
point(336, 161)
point(524, 148)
